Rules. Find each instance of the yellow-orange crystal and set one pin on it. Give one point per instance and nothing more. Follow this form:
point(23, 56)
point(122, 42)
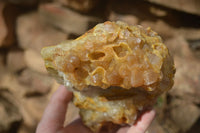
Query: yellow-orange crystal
point(115, 70)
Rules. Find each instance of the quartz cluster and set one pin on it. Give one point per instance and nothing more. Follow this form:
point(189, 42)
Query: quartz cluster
point(115, 70)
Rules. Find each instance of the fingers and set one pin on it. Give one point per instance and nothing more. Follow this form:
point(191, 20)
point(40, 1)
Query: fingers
point(54, 114)
point(143, 124)
point(75, 127)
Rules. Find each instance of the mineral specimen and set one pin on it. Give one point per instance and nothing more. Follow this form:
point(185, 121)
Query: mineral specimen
point(114, 70)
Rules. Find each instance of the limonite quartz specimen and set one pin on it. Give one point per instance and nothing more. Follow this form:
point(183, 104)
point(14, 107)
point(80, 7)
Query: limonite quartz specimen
point(115, 70)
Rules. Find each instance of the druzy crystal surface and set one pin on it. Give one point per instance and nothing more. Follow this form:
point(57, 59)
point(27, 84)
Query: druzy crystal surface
point(115, 70)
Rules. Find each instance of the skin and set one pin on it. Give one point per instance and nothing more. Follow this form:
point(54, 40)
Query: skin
point(54, 117)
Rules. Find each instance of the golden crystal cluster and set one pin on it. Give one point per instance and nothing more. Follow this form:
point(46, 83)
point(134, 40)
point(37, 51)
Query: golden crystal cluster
point(114, 70)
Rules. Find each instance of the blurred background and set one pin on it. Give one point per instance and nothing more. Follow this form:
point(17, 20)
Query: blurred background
point(28, 25)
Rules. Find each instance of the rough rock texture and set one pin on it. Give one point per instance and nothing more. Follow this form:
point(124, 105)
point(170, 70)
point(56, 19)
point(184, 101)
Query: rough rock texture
point(186, 87)
point(27, 107)
point(179, 113)
point(77, 23)
point(129, 19)
point(186, 84)
point(79, 5)
point(37, 83)
point(168, 31)
point(36, 61)
point(115, 70)
point(10, 113)
point(33, 33)
point(191, 6)
point(15, 61)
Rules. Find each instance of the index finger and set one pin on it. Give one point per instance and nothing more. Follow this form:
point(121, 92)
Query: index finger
point(54, 114)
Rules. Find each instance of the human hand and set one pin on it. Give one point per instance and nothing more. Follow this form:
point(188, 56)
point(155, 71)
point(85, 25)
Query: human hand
point(54, 117)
